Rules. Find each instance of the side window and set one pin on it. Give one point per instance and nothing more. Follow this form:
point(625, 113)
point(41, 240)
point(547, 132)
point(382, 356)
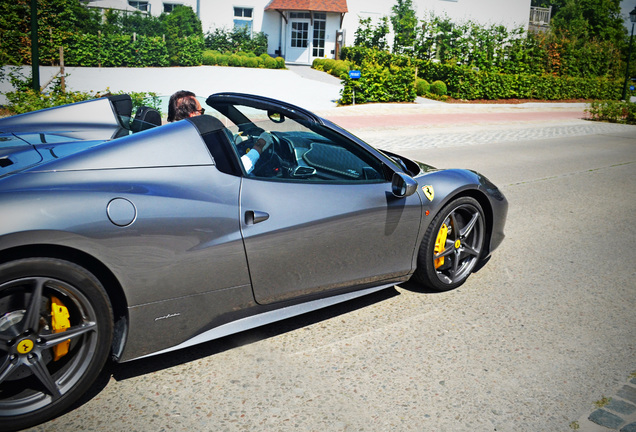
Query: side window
point(312, 153)
point(269, 145)
point(335, 160)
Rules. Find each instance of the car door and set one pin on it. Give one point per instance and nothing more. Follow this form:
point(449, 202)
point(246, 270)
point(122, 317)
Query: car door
point(319, 237)
point(322, 215)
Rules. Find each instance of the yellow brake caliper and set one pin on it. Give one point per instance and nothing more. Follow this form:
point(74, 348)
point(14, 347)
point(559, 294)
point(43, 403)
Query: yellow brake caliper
point(60, 322)
point(440, 244)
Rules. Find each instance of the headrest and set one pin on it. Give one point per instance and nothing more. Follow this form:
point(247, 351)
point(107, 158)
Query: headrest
point(205, 123)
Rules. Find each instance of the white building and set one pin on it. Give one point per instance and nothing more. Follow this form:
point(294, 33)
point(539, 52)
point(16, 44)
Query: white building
point(302, 30)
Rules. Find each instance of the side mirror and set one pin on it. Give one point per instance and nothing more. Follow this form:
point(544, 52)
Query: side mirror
point(275, 116)
point(403, 185)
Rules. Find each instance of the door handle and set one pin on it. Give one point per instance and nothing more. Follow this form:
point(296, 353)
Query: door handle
point(253, 217)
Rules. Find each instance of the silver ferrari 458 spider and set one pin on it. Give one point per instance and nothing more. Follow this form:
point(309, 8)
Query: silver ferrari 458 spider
point(123, 239)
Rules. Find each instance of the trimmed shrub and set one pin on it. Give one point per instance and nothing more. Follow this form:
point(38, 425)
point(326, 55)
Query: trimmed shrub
point(251, 62)
point(613, 111)
point(270, 63)
point(438, 88)
point(235, 60)
point(340, 68)
point(210, 58)
point(328, 65)
point(223, 60)
point(333, 67)
point(422, 86)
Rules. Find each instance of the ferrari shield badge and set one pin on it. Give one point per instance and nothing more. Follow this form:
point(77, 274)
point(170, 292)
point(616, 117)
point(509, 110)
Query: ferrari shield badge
point(429, 192)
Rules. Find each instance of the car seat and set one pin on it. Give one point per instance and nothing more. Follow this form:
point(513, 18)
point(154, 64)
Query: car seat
point(145, 118)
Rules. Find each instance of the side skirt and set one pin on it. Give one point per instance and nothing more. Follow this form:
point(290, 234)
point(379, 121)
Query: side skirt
point(268, 318)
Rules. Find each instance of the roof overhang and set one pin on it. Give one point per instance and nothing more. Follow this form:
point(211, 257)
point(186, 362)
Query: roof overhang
point(336, 6)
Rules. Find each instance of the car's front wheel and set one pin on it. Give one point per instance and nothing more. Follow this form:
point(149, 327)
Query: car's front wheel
point(452, 245)
point(56, 328)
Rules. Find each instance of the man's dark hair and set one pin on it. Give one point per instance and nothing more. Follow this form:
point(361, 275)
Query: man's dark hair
point(181, 105)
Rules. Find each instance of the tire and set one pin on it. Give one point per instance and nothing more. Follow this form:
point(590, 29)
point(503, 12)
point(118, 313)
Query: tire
point(41, 374)
point(460, 249)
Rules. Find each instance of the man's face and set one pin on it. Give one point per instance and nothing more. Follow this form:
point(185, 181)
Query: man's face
point(198, 110)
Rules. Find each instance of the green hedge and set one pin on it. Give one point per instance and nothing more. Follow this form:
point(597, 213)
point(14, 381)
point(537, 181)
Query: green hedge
point(466, 83)
point(242, 59)
point(391, 78)
point(120, 50)
point(332, 67)
point(384, 77)
point(186, 51)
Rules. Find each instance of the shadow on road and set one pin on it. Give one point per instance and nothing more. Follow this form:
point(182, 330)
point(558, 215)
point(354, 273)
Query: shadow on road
point(123, 371)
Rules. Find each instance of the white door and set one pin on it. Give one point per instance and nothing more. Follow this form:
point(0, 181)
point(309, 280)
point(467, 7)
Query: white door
point(298, 41)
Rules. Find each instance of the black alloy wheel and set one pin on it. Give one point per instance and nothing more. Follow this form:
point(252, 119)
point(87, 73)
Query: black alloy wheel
point(452, 245)
point(56, 328)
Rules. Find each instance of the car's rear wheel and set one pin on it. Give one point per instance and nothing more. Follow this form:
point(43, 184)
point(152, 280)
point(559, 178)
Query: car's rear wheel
point(452, 245)
point(56, 328)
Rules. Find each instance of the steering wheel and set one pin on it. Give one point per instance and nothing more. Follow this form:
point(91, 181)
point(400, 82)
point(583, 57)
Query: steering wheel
point(269, 164)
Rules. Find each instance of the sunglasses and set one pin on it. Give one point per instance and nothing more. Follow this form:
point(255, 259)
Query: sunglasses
point(201, 111)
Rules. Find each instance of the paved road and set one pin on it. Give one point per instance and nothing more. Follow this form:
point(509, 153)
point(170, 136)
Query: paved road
point(537, 336)
point(528, 344)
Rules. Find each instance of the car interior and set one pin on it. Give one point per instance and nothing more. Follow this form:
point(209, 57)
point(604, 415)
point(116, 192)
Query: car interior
point(299, 150)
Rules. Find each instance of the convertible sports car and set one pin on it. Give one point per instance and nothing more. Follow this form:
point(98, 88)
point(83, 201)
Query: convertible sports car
point(127, 239)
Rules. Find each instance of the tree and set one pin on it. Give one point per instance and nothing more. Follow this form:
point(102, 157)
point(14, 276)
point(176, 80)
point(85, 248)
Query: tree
point(184, 36)
point(404, 27)
point(182, 22)
point(372, 36)
point(117, 22)
point(600, 20)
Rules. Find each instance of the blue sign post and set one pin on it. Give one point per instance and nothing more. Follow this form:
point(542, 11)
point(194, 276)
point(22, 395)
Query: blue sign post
point(354, 75)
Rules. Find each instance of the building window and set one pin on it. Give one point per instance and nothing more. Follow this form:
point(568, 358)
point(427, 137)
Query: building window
point(141, 5)
point(169, 7)
point(243, 18)
point(320, 24)
point(306, 15)
point(299, 34)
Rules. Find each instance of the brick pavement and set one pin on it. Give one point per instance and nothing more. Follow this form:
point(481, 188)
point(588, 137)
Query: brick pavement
point(615, 413)
point(409, 126)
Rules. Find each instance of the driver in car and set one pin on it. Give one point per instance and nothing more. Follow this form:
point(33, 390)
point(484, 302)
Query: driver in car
point(184, 104)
